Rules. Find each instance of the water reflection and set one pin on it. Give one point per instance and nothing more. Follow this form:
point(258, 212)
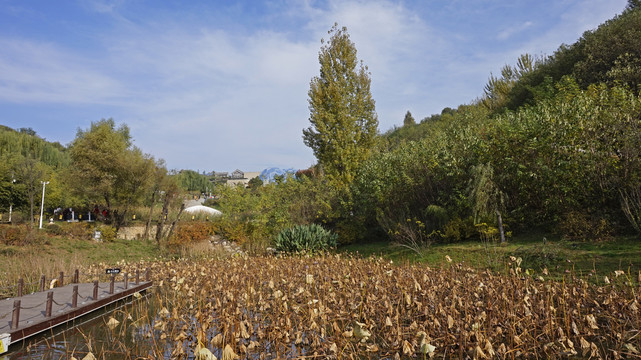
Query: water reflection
point(91, 334)
point(142, 332)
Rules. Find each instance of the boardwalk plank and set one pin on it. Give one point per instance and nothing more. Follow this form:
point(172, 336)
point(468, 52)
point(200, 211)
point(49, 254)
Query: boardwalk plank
point(33, 307)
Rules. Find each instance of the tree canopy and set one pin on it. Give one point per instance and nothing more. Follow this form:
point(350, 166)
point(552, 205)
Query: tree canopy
point(108, 170)
point(342, 112)
point(409, 119)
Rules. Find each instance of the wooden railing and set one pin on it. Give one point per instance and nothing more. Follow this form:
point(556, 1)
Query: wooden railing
point(74, 297)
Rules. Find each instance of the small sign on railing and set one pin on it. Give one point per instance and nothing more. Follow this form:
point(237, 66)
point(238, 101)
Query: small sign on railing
point(112, 271)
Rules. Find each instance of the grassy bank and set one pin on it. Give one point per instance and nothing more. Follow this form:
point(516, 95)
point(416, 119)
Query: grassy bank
point(55, 254)
point(558, 256)
point(590, 260)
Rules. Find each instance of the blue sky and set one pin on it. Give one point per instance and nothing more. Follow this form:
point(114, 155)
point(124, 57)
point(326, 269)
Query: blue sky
point(220, 85)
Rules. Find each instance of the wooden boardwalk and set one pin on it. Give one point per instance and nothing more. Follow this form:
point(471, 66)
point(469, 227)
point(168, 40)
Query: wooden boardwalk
point(41, 311)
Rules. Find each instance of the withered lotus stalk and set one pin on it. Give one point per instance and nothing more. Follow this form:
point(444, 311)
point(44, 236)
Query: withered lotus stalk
point(371, 308)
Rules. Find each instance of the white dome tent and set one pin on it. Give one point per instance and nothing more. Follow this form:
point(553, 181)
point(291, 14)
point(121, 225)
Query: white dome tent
point(201, 209)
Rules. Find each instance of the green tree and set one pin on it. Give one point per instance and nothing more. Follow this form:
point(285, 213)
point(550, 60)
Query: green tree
point(497, 89)
point(487, 199)
point(12, 189)
point(409, 119)
point(30, 173)
point(255, 183)
point(342, 112)
point(159, 178)
point(191, 180)
point(108, 170)
point(611, 52)
point(25, 143)
point(170, 192)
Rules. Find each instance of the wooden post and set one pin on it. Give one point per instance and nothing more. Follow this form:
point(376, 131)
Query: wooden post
point(137, 276)
point(147, 275)
point(126, 280)
point(74, 297)
point(95, 290)
point(49, 304)
point(111, 284)
point(42, 283)
point(15, 320)
point(20, 286)
point(61, 279)
point(76, 277)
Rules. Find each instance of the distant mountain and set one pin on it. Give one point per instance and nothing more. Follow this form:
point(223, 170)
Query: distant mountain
point(267, 175)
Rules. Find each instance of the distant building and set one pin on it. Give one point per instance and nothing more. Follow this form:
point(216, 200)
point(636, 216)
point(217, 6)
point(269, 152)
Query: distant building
point(241, 178)
point(237, 174)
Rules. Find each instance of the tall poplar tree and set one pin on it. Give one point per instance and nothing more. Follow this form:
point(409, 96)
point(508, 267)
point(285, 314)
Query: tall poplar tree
point(409, 119)
point(342, 112)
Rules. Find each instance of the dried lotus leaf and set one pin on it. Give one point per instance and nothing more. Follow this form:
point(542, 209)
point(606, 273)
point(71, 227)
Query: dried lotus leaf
point(112, 323)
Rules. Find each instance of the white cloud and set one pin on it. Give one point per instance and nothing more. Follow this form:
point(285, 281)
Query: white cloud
point(509, 32)
point(254, 88)
point(102, 6)
point(235, 96)
point(401, 50)
point(575, 19)
point(205, 96)
point(45, 73)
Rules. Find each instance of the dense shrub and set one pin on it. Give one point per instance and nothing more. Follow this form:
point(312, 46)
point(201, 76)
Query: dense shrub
point(211, 202)
point(77, 230)
point(581, 227)
point(13, 235)
point(459, 229)
point(305, 238)
point(191, 232)
point(54, 229)
point(107, 233)
point(20, 235)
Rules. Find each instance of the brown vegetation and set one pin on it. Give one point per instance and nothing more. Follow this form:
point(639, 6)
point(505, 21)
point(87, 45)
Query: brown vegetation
point(342, 307)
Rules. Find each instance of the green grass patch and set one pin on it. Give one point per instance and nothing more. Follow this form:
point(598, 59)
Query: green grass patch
point(559, 257)
point(108, 252)
point(54, 254)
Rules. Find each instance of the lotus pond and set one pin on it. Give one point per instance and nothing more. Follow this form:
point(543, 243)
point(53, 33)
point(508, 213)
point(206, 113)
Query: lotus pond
point(342, 307)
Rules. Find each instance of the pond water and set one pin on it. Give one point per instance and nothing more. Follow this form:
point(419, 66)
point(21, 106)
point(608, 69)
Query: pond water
point(90, 333)
point(133, 338)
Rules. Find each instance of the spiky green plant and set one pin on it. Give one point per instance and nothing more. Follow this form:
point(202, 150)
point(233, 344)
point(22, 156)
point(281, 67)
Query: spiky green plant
point(305, 238)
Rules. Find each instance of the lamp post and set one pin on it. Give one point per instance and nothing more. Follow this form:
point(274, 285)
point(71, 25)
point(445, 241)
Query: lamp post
point(42, 205)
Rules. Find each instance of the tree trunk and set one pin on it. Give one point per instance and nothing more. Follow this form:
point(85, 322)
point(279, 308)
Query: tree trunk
point(151, 212)
point(173, 224)
point(31, 205)
point(500, 221)
point(163, 218)
point(119, 219)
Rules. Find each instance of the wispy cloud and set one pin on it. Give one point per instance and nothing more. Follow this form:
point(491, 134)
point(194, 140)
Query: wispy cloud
point(234, 95)
point(45, 73)
point(402, 51)
point(215, 90)
point(214, 86)
point(102, 6)
point(507, 33)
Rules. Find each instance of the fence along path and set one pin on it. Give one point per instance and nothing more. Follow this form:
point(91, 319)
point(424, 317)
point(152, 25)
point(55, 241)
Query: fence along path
point(27, 315)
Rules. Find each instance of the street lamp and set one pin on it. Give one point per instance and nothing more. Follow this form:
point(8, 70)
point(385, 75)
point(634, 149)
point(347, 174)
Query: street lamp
point(42, 205)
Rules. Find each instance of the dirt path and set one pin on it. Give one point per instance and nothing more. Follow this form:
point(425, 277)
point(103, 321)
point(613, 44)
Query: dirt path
point(192, 202)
